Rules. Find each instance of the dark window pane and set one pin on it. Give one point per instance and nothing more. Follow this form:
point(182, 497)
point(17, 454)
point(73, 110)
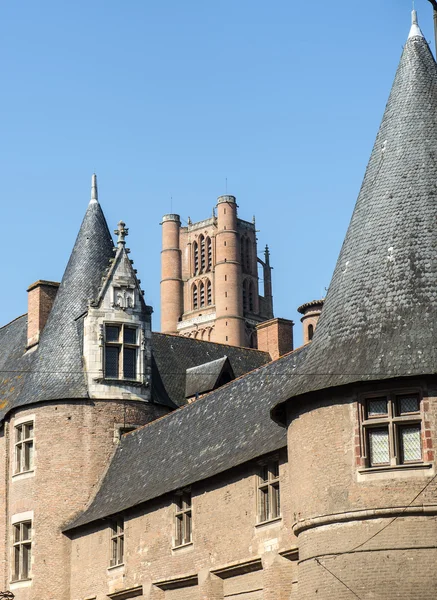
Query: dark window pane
point(275, 469)
point(16, 533)
point(264, 473)
point(112, 333)
point(129, 363)
point(187, 537)
point(111, 361)
point(130, 335)
point(377, 407)
point(264, 504)
point(408, 404)
point(19, 432)
point(26, 561)
point(16, 562)
point(276, 508)
point(411, 448)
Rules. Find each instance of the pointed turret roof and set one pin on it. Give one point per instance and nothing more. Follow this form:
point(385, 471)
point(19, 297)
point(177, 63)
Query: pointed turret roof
point(379, 319)
point(57, 367)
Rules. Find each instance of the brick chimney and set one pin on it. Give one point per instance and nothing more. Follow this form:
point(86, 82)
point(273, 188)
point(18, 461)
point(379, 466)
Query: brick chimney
point(275, 337)
point(311, 313)
point(41, 296)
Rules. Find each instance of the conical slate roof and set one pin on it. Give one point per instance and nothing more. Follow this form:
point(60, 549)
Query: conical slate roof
point(57, 370)
point(379, 319)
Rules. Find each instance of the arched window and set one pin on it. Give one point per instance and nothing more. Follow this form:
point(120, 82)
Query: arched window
point(202, 293)
point(202, 253)
point(310, 332)
point(251, 296)
point(196, 257)
point(195, 298)
point(242, 254)
point(208, 292)
point(208, 253)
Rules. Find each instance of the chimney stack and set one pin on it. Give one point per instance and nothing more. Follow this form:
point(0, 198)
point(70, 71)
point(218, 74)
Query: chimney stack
point(41, 296)
point(275, 337)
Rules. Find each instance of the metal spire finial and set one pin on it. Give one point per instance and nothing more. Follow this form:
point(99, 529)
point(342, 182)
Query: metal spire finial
point(415, 29)
point(94, 193)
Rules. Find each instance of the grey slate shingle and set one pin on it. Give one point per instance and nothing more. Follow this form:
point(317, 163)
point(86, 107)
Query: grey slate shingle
point(379, 319)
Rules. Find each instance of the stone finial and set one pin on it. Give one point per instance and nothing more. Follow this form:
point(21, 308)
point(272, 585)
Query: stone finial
point(415, 30)
point(267, 255)
point(122, 232)
point(189, 221)
point(94, 193)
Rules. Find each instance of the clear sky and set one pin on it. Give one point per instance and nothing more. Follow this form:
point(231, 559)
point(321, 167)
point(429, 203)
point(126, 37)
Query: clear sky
point(167, 99)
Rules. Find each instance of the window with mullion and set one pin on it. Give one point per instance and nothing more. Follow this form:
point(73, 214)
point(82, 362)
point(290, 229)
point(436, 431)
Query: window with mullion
point(117, 542)
point(22, 549)
point(392, 430)
point(121, 352)
point(183, 519)
point(24, 447)
point(269, 505)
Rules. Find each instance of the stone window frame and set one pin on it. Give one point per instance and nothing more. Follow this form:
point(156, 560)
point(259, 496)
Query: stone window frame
point(183, 518)
point(22, 549)
point(394, 420)
point(24, 448)
point(121, 345)
point(268, 490)
point(117, 542)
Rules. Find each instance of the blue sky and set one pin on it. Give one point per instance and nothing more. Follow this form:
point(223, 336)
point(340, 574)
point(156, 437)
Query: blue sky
point(168, 99)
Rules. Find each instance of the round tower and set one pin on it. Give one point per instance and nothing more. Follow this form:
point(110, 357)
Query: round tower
point(311, 312)
point(171, 274)
point(229, 328)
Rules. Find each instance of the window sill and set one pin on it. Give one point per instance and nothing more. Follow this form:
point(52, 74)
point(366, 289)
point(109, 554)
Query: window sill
point(182, 546)
point(274, 521)
point(23, 475)
point(114, 567)
point(388, 468)
point(20, 583)
point(110, 381)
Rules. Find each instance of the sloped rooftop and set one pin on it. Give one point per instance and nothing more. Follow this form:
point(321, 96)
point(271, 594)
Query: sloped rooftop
point(379, 318)
point(221, 430)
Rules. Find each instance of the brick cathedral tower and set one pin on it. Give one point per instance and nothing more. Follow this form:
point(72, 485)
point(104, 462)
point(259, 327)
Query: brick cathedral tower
point(209, 285)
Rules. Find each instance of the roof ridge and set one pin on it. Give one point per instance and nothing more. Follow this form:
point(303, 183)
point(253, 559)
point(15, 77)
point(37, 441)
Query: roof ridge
point(13, 320)
point(182, 337)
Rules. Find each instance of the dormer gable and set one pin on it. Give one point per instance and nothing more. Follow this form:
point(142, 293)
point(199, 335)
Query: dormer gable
point(117, 332)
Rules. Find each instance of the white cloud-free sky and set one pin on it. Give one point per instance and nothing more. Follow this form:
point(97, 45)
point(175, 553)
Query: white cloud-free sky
point(169, 99)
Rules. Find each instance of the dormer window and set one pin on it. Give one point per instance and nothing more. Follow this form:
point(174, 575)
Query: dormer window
point(121, 352)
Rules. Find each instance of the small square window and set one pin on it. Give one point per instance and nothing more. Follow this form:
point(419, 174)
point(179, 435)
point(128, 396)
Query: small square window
point(121, 352)
point(392, 430)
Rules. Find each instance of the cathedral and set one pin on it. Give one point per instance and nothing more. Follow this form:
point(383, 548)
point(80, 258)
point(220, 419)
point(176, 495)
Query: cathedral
point(212, 460)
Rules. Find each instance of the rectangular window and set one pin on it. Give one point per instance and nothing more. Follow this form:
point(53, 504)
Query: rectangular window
point(22, 549)
point(121, 352)
point(23, 448)
point(117, 542)
point(392, 430)
point(183, 525)
point(269, 504)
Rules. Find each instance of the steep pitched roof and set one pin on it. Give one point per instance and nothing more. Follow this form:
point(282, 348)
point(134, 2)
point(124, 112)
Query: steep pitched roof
point(221, 430)
point(379, 318)
point(174, 354)
point(57, 370)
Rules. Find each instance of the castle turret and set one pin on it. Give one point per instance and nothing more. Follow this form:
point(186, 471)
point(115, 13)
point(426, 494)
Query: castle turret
point(171, 274)
point(229, 300)
point(311, 312)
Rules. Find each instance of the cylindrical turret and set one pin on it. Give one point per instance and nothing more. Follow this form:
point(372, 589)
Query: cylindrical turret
point(171, 274)
point(228, 291)
point(311, 312)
